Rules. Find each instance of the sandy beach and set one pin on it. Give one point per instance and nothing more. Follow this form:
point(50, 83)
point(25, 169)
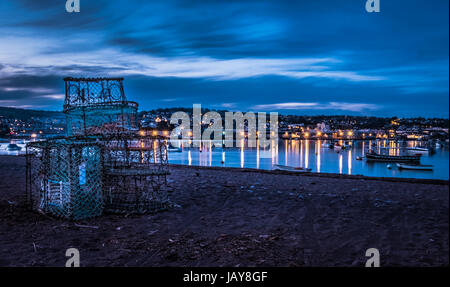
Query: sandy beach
point(233, 217)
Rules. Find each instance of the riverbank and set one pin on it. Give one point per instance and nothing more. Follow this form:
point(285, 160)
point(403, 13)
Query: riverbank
point(233, 217)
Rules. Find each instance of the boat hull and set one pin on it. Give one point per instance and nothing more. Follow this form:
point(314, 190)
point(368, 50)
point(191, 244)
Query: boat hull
point(389, 158)
point(415, 167)
point(421, 150)
point(289, 168)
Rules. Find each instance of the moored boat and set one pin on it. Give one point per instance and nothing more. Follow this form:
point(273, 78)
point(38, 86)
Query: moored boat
point(414, 166)
point(392, 158)
point(13, 147)
point(418, 149)
point(174, 149)
point(328, 145)
point(338, 146)
point(347, 145)
point(290, 168)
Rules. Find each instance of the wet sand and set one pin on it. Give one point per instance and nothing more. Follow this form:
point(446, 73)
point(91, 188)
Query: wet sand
point(232, 217)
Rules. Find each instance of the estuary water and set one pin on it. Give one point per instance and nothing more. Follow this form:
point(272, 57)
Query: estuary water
point(316, 154)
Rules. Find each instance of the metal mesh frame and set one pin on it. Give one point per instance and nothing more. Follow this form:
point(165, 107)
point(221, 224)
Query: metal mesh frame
point(64, 177)
point(135, 176)
point(93, 91)
point(103, 165)
point(82, 177)
point(98, 106)
point(102, 119)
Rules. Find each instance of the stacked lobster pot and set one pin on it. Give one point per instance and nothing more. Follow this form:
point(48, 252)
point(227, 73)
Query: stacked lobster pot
point(103, 164)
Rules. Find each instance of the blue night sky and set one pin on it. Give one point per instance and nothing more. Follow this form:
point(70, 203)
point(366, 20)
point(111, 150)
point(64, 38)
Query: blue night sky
point(294, 57)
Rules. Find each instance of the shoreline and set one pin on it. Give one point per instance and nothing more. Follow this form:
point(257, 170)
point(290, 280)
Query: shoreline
point(322, 174)
point(316, 174)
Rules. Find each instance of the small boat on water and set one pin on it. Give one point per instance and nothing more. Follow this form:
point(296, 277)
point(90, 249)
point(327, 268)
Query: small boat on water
point(338, 146)
point(329, 145)
point(174, 149)
point(392, 158)
point(414, 166)
point(347, 145)
point(418, 149)
point(290, 168)
point(13, 147)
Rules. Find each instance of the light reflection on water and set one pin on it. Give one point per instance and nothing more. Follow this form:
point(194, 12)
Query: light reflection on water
point(317, 156)
point(302, 153)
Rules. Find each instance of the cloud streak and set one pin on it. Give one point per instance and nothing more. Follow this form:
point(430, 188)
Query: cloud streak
point(37, 59)
point(342, 106)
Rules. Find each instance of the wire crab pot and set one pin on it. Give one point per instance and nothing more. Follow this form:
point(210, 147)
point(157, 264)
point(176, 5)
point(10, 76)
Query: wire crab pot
point(98, 106)
point(135, 174)
point(104, 164)
point(64, 177)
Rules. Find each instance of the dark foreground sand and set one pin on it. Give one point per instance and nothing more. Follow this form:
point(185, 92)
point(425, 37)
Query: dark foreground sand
point(241, 218)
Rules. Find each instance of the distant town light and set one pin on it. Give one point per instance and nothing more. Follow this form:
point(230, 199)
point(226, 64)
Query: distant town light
point(33, 135)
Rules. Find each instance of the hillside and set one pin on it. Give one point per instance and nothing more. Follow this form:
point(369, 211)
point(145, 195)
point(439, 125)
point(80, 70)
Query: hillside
point(24, 114)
